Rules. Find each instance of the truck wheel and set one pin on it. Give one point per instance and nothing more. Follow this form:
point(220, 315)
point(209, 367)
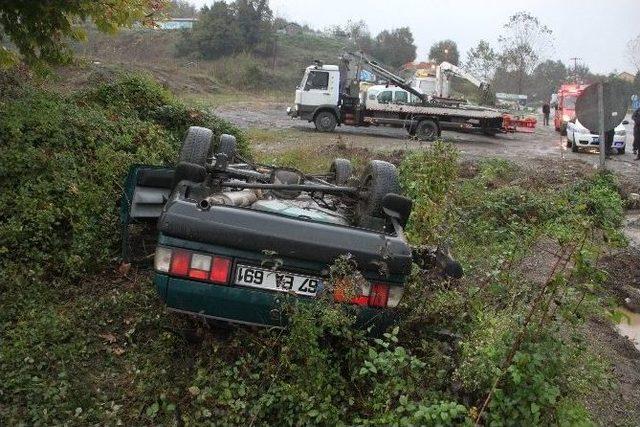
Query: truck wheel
point(340, 171)
point(379, 179)
point(196, 145)
point(227, 146)
point(325, 121)
point(426, 130)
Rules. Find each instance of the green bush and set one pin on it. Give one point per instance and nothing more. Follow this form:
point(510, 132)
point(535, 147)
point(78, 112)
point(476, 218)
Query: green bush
point(63, 160)
point(427, 177)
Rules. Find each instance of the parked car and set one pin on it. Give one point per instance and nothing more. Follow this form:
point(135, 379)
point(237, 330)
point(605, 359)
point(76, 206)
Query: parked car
point(238, 239)
point(579, 136)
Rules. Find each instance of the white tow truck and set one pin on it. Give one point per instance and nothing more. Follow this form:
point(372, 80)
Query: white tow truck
point(332, 95)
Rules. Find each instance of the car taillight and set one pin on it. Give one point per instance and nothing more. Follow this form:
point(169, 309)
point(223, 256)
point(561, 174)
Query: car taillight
point(379, 295)
point(183, 263)
point(180, 263)
point(220, 270)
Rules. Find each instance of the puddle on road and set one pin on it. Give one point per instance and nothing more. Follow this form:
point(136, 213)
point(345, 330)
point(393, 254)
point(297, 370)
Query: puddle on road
point(630, 326)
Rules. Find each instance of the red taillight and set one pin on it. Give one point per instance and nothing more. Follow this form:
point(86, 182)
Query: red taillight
point(180, 263)
point(375, 295)
point(379, 295)
point(220, 270)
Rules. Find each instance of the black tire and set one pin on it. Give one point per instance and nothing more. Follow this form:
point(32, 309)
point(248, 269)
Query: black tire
point(196, 145)
point(227, 145)
point(621, 150)
point(569, 143)
point(574, 146)
point(325, 121)
point(427, 130)
point(379, 179)
point(340, 172)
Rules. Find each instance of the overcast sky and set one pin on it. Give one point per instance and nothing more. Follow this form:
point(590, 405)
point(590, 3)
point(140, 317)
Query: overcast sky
point(595, 30)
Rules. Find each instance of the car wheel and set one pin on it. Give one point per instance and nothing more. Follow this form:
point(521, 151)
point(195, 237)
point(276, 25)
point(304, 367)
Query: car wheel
point(574, 146)
point(196, 145)
point(427, 130)
point(340, 171)
point(325, 121)
point(379, 179)
point(621, 150)
point(227, 146)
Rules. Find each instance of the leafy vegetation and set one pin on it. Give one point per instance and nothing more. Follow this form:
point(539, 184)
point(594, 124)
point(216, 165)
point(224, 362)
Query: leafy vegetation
point(40, 30)
point(86, 344)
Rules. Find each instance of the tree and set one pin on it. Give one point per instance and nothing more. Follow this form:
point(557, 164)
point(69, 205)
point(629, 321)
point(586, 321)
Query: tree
point(254, 19)
point(633, 51)
point(445, 50)
point(482, 60)
point(215, 34)
point(546, 79)
point(394, 47)
point(525, 41)
point(181, 9)
point(40, 29)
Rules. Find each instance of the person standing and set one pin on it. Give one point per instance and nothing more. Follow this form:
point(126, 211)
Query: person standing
point(546, 109)
point(636, 133)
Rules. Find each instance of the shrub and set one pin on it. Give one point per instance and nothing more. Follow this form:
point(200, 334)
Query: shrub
point(426, 177)
point(62, 162)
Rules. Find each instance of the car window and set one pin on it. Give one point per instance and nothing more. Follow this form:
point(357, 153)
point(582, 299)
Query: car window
point(401, 96)
point(385, 96)
point(318, 80)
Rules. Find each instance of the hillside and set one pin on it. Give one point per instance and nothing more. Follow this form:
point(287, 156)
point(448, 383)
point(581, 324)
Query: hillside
point(156, 52)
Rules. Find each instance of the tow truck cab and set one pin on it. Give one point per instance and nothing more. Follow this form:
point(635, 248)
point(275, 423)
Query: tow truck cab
point(318, 91)
point(564, 103)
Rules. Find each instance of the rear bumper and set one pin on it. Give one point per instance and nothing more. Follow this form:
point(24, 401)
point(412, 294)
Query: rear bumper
point(242, 305)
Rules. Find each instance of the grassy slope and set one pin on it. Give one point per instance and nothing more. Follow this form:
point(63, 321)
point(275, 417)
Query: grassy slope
point(239, 76)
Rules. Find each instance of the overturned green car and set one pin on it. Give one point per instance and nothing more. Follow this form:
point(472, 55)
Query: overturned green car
point(238, 239)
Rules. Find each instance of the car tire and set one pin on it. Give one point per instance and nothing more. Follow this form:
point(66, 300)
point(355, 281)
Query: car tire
point(378, 179)
point(574, 146)
point(427, 130)
point(196, 145)
point(325, 121)
point(621, 150)
point(340, 172)
point(227, 145)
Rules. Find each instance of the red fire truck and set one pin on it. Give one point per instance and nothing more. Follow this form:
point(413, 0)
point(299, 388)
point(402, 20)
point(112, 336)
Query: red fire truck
point(564, 103)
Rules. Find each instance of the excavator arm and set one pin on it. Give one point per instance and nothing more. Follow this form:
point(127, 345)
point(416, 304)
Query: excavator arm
point(446, 69)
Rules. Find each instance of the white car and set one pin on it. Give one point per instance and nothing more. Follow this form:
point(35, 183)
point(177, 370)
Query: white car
point(579, 136)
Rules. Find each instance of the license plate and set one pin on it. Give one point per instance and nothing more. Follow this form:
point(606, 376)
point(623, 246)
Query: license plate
point(280, 281)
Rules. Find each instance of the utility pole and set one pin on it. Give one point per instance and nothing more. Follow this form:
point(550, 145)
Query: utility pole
point(603, 148)
point(575, 67)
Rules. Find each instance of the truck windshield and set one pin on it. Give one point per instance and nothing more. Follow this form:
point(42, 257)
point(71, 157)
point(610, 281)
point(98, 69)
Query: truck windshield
point(317, 80)
point(570, 102)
